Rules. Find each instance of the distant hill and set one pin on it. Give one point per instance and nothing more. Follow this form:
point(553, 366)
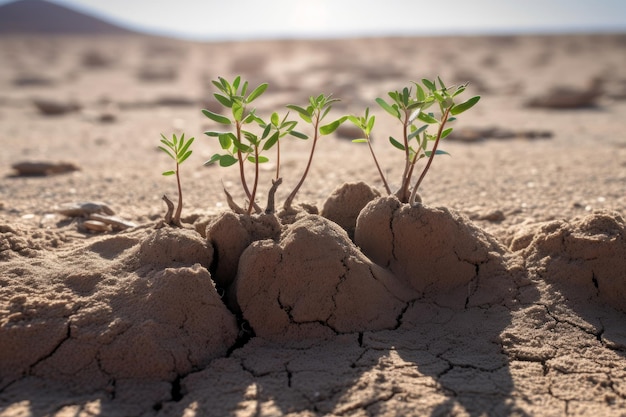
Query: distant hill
point(44, 17)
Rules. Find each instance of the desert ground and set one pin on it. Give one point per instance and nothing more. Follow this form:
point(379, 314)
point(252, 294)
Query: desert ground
point(502, 294)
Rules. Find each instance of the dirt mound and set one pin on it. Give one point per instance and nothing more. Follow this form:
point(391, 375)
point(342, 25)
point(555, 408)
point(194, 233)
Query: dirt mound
point(230, 234)
point(585, 257)
point(315, 283)
point(437, 252)
point(89, 321)
point(345, 203)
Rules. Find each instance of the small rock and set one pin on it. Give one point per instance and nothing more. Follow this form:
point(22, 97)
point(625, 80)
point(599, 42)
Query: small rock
point(51, 107)
point(96, 226)
point(38, 169)
point(492, 216)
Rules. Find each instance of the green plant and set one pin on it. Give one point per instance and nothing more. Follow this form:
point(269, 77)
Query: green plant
point(242, 145)
point(178, 150)
point(409, 107)
point(314, 113)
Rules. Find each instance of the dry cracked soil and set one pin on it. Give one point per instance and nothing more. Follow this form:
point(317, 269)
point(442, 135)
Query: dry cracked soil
point(503, 293)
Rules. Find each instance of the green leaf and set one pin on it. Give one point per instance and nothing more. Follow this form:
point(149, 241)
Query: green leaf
point(460, 108)
point(242, 147)
point(226, 140)
point(167, 152)
point(357, 121)
point(429, 84)
point(306, 116)
point(168, 173)
point(392, 110)
point(224, 101)
point(266, 131)
point(275, 119)
point(441, 84)
point(396, 144)
point(421, 95)
point(325, 112)
point(185, 146)
point(437, 152)
point(331, 127)
point(426, 118)
point(237, 111)
point(218, 84)
point(359, 140)
point(370, 124)
point(227, 160)
point(184, 157)
point(446, 132)
point(236, 82)
point(257, 92)
point(211, 133)
point(216, 117)
point(251, 137)
point(459, 91)
point(271, 141)
point(298, 135)
point(167, 143)
point(216, 157)
point(260, 159)
point(417, 132)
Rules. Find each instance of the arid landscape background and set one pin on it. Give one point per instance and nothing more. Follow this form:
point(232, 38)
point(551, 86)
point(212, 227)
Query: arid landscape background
point(129, 323)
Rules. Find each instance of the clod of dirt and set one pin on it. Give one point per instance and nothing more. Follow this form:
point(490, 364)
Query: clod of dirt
point(174, 247)
point(54, 107)
point(102, 321)
point(346, 202)
point(230, 234)
point(42, 168)
point(315, 283)
point(436, 251)
point(585, 257)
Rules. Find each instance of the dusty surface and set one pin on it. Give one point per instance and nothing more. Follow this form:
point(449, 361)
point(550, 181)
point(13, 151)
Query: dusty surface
point(519, 308)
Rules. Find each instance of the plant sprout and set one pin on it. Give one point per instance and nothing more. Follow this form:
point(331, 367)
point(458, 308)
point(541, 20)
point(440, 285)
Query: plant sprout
point(366, 124)
point(243, 144)
point(178, 150)
point(409, 108)
point(313, 114)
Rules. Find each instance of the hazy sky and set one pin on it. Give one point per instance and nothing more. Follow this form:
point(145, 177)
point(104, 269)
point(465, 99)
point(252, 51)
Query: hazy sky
point(210, 19)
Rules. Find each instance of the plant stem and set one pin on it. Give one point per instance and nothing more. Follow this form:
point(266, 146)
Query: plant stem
point(403, 192)
point(242, 173)
point(380, 171)
point(277, 160)
point(444, 119)
point(256, 178)
point(289, 200)
point(179, 206)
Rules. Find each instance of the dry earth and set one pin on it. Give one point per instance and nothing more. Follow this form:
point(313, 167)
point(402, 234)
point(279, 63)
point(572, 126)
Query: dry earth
point(503, 294)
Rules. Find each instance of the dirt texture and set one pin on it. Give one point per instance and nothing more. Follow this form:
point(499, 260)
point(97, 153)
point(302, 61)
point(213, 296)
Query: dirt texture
point(501, 293)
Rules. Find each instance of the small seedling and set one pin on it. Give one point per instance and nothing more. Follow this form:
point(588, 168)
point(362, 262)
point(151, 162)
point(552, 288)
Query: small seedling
point(313, 114)
point(410, 107)
point(243, 144)
point(178, 150)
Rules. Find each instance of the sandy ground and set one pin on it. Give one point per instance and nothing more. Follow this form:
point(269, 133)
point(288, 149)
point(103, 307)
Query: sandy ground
point(523, 308)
